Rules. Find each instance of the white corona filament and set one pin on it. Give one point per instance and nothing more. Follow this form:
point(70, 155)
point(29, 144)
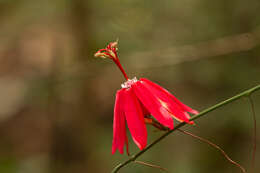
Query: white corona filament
point(129, 82)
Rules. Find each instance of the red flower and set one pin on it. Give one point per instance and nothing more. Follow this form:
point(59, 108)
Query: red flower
point(136, 102)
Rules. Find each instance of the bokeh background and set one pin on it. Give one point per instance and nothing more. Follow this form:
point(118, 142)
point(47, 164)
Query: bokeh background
point(56, 99)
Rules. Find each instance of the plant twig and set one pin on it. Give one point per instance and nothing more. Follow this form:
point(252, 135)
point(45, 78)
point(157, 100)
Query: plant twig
point(151, 165)
point(254, 133)
point(215, 146)
point(202, 113)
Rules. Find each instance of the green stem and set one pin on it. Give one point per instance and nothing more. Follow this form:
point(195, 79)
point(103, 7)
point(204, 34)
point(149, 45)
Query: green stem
point(254, 133)
point(236, 97)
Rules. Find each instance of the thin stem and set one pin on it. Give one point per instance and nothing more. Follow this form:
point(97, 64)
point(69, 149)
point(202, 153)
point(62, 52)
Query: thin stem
point(117, 62)
point(215, 146)
point(151, 165)
point(202, 113)
point(254, 132)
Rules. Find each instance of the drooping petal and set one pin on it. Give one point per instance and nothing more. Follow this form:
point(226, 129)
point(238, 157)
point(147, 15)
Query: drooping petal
point(135, 118)
point(145, 111)
point(119, 128)
point(153, 105)
point(183, 106)
point(166, 101)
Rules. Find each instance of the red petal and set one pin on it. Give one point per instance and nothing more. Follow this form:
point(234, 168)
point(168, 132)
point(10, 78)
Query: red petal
point(153, 105)
point(183, 106)
point(145, 111)
point(176, 111)
point(119, 129)
point(135, 119)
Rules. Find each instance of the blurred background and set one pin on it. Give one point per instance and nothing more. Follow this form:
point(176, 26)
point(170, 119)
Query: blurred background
point(56, 99)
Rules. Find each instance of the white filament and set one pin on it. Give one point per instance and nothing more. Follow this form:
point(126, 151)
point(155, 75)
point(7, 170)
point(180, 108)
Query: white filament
point(129, 82)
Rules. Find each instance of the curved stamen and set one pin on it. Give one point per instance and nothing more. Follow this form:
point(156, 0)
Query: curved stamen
point(111, 52)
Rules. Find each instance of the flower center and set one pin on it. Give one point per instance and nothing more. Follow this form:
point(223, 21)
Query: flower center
point(129, 83)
